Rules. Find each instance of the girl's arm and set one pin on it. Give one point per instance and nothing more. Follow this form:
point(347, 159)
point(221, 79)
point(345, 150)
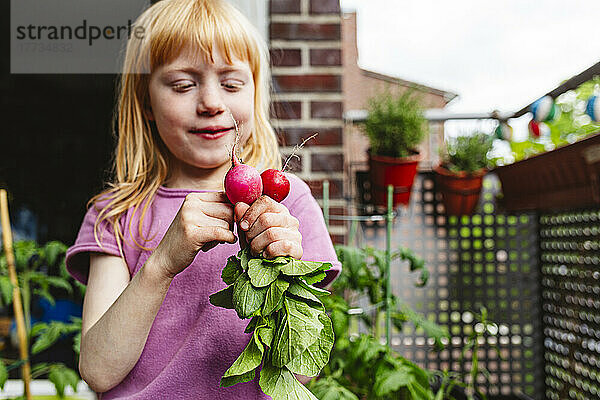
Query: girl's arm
point(117, 316)
point(118, 313)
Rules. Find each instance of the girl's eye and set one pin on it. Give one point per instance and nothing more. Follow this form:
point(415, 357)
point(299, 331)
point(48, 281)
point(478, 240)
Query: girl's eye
point(232, 85)
point(182, 86)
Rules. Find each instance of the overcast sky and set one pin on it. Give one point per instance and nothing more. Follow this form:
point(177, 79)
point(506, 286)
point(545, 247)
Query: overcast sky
point(494, 54)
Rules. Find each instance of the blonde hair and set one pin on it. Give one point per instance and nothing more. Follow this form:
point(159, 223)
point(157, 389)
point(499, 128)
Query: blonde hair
point(141, 160)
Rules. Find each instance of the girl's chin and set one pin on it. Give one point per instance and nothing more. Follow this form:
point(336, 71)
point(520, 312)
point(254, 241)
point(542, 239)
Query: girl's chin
point(214, 164)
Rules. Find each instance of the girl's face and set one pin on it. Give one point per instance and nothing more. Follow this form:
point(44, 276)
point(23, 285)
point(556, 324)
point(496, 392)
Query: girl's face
point(192, 102)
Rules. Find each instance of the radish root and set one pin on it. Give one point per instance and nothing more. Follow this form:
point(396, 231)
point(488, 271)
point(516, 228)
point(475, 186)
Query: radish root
point(296, 148)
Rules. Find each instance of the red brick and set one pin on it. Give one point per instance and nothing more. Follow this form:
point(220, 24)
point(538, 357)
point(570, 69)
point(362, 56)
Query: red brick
point(286, 57)
point(325, 57)
point(327, 162)
point(286, 110)
point(307, 83)
point(337, 211)
point(326, 109)
point(324, 6)
point(335, 188)
point(305, 31)
point(325, 136)
point(285, 7)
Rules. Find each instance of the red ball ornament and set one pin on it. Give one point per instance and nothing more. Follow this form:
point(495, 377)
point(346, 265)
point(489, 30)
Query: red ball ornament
point(534, 129)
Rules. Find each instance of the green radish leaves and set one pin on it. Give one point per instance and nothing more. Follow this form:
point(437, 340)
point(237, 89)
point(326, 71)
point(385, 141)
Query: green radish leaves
point(246, 298)
point(291, 333)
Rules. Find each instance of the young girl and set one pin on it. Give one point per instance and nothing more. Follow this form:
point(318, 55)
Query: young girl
point(152, 246)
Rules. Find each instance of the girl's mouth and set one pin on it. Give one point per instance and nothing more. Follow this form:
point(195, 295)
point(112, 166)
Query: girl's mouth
point(211, 132)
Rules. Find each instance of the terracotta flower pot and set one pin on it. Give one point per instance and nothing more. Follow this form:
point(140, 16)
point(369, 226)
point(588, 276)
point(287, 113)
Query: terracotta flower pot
point(460, 191)
point(398, 172)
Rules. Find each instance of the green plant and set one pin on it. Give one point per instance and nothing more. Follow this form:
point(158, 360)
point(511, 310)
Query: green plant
point(395, 124)
point(468, 153)
point(41, 271)
point(482, 329)
point(361, 366)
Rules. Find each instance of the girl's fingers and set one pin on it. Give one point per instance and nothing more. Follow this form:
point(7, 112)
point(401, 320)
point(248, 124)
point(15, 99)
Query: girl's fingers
point(269, 220)
point(216, 197)
point(208, 222)
point(261, 205)
point(283, 248)
point(275, 234)
point(216, 235)
point(239, 210)
point(219, 210)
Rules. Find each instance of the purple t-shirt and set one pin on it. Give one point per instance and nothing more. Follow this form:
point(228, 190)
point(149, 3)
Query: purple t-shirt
point(191, 342)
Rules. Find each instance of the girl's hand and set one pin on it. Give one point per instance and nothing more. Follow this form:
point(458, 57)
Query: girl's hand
point(269, 228)
point(203, 221)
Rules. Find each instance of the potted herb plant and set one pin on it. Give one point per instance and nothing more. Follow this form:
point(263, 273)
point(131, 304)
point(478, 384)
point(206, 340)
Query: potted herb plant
point(460, 175)
point(395, 126)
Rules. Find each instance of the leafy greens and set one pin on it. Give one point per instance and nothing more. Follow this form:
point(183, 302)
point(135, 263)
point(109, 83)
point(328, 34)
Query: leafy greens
point(291, 333)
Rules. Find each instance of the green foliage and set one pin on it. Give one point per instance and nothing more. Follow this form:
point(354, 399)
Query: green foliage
point(468, 153)
point(41, 272)
point(61, 377)
point(572, 125)
point(363, 367)
point(3, 374)
point(291, 333)
point(48, 334)
point(395, 124)
point(483, 328)
point(360, 366)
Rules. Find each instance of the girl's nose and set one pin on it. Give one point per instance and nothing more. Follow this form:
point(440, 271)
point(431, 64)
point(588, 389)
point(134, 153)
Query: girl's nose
point(210, 102)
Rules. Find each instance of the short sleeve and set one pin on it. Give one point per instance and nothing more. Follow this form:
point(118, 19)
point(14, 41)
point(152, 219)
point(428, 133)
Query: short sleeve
point(316, 242)
point(78, 256)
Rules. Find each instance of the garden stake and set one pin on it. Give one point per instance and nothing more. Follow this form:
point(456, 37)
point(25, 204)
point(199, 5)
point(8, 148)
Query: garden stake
point(388, 261)
point(353, 229)
point(17, 305)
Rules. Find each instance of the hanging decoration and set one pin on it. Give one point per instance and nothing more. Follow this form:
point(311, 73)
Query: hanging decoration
point(544, 109)
point(504, 131)
point(534, 128)
point(593, 108)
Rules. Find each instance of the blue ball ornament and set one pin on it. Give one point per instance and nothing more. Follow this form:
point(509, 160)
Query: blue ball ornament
point(593, 108)
point(544, 109)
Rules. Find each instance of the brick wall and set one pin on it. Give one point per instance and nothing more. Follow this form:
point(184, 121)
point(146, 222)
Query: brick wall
point(305, 41)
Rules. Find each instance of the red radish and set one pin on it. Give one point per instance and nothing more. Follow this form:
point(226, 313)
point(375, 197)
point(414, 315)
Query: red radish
point(242, 182)
point(275, 184)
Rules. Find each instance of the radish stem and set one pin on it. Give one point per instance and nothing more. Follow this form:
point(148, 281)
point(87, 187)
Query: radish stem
point(296, 148)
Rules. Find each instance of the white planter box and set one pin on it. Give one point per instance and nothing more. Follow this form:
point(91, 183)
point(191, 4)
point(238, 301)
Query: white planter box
point(14, 387)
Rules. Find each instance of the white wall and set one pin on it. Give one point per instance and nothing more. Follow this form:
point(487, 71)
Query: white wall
point(257, 12)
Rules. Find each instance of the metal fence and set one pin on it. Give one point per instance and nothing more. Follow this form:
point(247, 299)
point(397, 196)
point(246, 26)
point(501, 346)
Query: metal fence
point(490, 259)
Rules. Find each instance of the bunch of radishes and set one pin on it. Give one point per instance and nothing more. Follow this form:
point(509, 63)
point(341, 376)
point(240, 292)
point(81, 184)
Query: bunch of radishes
point(244, 183)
